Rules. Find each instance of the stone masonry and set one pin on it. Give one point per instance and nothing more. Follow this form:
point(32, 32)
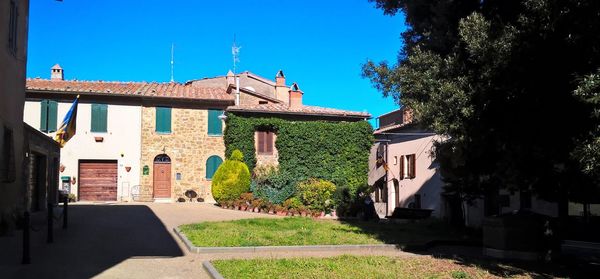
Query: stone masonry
point(188, 145)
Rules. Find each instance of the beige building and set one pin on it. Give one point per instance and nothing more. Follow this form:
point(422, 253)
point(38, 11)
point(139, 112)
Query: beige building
point(28, 160)
point(412, 182)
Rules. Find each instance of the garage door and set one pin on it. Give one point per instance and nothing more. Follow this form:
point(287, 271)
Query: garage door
point(98, 181)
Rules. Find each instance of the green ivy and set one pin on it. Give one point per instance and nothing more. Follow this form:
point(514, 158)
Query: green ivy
point(334, 151)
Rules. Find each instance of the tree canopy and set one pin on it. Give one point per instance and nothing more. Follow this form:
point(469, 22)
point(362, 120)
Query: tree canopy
point(514, 84)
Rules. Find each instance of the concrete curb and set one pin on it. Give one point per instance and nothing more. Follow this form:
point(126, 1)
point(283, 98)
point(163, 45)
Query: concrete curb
point(214, 273)
point(255, 249)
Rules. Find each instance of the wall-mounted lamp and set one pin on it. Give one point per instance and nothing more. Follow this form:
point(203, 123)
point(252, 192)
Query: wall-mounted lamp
point(222, 116)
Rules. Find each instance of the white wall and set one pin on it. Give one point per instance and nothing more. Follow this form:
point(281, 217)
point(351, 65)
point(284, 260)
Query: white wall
point(122, 141)
point(427, 181)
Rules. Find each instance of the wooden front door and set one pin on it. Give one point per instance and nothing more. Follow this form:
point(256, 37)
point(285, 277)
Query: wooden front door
point(162, 180)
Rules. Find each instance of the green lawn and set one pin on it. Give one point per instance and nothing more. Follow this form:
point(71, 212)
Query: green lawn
point(307, 231)
point(349, 267)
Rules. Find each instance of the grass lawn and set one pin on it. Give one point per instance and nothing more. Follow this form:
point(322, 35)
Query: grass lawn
point(356, 267)
point(307, 231)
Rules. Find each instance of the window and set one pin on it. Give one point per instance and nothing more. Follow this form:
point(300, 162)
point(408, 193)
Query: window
point(215, 125)
point(163, 120)
point(48, 113)
point(408, 168)
point(265, 142)
point(525, 199)
point(395, 160)
point(13, 27)
point(212, 164)
point(7, 158)
point(417, 201)
point(99, 117)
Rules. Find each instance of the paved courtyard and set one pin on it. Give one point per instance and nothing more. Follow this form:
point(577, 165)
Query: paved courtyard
point(125, 240)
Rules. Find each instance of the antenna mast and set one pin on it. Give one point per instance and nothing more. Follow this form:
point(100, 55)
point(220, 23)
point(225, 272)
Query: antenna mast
point(172, 62)
point(235, 51)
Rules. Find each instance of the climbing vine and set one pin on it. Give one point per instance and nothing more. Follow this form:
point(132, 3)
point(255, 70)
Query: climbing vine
point(334, 151)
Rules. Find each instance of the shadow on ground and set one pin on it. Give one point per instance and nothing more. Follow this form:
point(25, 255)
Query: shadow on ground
point(98, 238)
point(440, 240)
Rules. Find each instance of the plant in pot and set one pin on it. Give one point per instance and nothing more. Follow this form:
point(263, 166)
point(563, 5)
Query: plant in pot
point(270, 208)
point(280, 210)
point(257, 204)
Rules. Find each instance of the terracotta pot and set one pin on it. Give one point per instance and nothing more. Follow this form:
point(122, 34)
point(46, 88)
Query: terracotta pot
point(303, 213)
point(256, 210)
point(333, 214)
point(270, 211)
point(322, 214)
point(242, 208)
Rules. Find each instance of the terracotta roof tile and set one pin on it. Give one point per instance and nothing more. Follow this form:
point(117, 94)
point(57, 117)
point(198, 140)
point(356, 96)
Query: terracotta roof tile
point(150, 89)
point(304, 110)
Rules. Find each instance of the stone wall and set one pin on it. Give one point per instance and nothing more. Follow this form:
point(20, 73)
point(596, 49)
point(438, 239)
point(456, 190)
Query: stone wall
point(188, 145)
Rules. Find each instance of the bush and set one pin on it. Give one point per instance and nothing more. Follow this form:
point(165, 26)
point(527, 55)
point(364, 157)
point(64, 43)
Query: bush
point(293, 203)
point(231, 179)
point(276, 187)
point(317, 194)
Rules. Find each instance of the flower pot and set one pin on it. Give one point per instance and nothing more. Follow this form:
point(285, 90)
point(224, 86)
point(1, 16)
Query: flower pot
point(271, 211)
point(242, 208)
point(256, 210)
point(322, 214)
point(303, 213)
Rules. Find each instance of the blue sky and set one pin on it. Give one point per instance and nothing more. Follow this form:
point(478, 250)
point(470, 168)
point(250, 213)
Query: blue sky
point(318, 44)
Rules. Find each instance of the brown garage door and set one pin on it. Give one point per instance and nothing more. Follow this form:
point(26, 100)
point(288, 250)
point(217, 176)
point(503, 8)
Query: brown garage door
point(98, 180)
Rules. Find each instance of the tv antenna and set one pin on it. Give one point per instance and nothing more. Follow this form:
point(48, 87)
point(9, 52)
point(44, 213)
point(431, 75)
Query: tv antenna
point(235, 51)
point(172, 62)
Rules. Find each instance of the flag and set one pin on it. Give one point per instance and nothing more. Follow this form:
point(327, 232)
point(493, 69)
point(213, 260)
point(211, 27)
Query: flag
point(67, 127)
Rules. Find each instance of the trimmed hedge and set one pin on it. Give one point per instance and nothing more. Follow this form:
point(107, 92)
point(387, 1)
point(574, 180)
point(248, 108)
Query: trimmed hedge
point(231, 179)
point(334, 151)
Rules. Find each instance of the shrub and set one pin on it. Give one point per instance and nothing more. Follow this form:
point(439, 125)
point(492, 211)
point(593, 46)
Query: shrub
point(293, 203)
point(276, 187)
point(317, 194)
point(231, 179)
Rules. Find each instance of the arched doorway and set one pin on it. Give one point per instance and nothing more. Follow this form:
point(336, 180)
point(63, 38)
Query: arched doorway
point(162, 176)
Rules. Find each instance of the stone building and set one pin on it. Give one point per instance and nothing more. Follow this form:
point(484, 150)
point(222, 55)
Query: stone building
point(28, 159)
point(157, 141)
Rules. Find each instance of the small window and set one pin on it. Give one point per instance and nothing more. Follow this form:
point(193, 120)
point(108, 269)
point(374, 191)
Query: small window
point(7, 163)
point(395, 160)
point(263, 102)
point(265, 142)
point(13, 28)
point(99, 118)
point(408, 166)
point(48, 115)
point(163, 120)
point(215, 125)
point(212, 164)
point(525, 199)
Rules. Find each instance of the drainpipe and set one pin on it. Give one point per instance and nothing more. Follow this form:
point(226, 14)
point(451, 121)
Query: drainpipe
point(237, 90)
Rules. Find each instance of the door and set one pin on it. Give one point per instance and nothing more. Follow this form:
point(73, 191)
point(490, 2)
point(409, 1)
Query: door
point(162, 176)
point(98, 180)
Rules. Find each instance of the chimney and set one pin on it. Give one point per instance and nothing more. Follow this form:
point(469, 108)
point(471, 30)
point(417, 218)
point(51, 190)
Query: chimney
point(295, 97)
point(57, 73)
point(281, 91)
point(230, 78)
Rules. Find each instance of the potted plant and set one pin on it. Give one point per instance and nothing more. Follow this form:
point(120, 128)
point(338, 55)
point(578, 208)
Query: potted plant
point(256, 204)
point(280, 210)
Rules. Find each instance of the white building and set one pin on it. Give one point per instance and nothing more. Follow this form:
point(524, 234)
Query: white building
point(102, 161)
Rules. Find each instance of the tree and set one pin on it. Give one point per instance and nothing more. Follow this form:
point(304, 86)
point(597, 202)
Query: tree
point(498, 77)
point(231, 179)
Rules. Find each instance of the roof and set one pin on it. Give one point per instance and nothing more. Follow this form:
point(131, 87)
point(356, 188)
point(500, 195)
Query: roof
point(280, 108)
point(231, 88)
point(138, 89)
point(391, 128)
point(393, 111)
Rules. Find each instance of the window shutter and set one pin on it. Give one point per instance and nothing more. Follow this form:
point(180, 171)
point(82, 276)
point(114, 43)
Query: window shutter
point(261, 142)
point(99, 117)
point(212, 164)
point(269, 142)
point(52, 114)
point(44, 116)
point(215, 125)
point(402, 167)
point(163, 120)
point(413, 166)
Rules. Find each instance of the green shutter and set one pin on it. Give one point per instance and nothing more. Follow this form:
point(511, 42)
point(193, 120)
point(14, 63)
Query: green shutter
point(99, 118)
point(212, 164)
point(44, 116)
point(215, 125)
point(52, 115)
point(163, 120)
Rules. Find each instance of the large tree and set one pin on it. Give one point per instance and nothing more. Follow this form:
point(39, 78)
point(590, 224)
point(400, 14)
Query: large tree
point(505, 80)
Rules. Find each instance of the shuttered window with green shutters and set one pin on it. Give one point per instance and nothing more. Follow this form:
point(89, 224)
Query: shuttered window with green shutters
point(163, 120)
point(215, 125)
point(48, 114)
point(212, 164)
point(99, 118)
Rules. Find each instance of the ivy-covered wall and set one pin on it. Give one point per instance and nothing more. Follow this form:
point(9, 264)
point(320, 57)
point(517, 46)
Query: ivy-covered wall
point(335, 151)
